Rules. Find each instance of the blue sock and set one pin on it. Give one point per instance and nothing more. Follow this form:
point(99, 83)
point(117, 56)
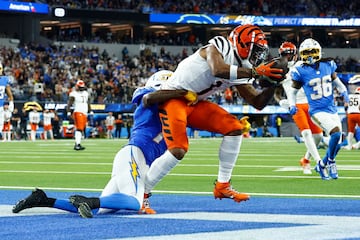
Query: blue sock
point(65, 204)
point(118, 201)
point(333, 145)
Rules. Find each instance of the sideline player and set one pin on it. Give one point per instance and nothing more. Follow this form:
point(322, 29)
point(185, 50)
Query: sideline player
point(7, 124)
point(317, 76)
point(79, 99)
point(5, 91)
point(47, 117)
point(34, 120)
point(310, 132)
point(223, 62)
point(353, 112)
point(110, 123)
point(125, 189)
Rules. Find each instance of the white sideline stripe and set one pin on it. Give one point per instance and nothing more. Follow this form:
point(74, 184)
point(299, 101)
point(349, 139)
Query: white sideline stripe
point(187, 192)
point(280, 168)
point(56, 163)
point(314, 226)
point(171, 174)
point(339, 167)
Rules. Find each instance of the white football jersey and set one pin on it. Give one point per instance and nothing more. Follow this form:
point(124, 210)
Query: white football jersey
point(81, 99)
point(194, 74)
point(300, 96)
point(34, 117)
point(7, 116)
point(354, 103)
point(47, 117)
point(110, 120)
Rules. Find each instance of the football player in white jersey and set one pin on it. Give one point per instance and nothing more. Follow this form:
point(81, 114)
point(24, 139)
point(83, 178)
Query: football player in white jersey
point(353, 111)
point(47, 117)
point(7, 124)
point(5, 91)
point(317, 76)
point(79, 100)
point(34, 120)
point(125, 189)
point(110, 123)
point(311, 133)
point(223, 62)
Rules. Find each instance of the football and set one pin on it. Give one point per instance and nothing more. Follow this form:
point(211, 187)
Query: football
point(280, 62)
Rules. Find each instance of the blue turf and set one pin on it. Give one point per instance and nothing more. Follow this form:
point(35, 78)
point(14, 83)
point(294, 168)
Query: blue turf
point(118, 225)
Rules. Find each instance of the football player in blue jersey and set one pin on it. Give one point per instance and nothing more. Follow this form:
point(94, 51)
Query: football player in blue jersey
point(5, 95)
point(317, 76)
point(125, 189)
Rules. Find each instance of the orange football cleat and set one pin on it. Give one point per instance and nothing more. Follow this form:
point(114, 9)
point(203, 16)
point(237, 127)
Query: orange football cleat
point(305, 163)
point(225, 190)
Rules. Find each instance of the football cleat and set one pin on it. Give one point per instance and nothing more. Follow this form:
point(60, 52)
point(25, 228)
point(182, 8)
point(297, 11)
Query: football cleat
point(78, 147)
point(37, 198)
point(305, 163)
point(225, 190)
point(332, 169)
point(321, 171)
point(145, 208)
point(82, 204)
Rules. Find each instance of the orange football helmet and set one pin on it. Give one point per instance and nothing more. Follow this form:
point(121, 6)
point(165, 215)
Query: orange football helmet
point(80, 84)
point(288, 49)
point(249, 43)
point(357, 90)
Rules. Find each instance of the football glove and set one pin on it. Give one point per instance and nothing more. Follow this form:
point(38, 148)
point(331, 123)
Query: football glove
point(244, 121)
point(266, 69)
point(191, 97)
point(293, 110)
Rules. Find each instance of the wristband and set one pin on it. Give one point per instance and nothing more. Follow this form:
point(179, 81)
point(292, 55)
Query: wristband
point(233, 72)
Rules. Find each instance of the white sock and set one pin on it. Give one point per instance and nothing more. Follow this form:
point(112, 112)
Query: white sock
point(33, 135)
point(77, 137)
point(310, 144)
point(158, 169)
point(349, 138)
point(317, 138)
point(228, 154)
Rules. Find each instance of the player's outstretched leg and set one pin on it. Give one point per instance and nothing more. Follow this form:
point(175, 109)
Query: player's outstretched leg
point(84, 205)
point(37, 198)
point(225, 190)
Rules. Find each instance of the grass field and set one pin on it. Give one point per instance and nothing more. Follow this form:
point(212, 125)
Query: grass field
point(265, 167)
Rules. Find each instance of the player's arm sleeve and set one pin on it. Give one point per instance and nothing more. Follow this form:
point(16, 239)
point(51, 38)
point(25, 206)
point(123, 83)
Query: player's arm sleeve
point(341, 88)
point(291, 93)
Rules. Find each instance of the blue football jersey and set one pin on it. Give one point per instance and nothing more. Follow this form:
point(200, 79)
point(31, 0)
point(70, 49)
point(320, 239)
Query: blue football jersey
point(317, 85)
point(146, 132)
point(4, 81)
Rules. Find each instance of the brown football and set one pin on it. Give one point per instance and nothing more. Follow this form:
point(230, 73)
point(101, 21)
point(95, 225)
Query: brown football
point(280, 62)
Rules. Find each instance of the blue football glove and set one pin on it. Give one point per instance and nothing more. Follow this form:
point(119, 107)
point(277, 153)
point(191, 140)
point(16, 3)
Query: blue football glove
point(293, 110)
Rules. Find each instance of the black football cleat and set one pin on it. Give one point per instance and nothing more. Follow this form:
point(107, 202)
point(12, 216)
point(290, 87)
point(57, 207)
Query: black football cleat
point(78, 147)
point(37, 198)
point(84, 205)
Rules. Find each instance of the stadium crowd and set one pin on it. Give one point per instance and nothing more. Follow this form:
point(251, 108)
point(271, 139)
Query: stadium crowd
point(344, 8)
point(47, 74)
